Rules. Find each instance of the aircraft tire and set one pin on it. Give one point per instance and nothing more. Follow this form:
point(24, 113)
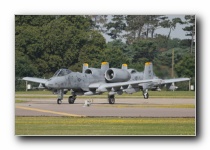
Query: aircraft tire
point(71, 100)
point(111, 99)
point(59, 101)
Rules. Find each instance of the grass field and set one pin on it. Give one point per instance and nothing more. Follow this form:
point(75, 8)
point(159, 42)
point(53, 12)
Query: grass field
point(104, 126)
point(152, 94)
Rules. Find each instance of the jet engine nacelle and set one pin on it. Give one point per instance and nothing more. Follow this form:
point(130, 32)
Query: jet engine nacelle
point(117, 75)
point(93, 71)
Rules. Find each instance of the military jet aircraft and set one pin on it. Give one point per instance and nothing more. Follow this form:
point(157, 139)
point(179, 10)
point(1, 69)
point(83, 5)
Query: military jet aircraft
point(93, 81)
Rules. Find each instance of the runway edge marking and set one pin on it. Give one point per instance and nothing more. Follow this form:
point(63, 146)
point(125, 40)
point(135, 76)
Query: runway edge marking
point(49, 111)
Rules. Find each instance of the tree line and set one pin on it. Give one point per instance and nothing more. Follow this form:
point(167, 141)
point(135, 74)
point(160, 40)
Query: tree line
point(45, 43)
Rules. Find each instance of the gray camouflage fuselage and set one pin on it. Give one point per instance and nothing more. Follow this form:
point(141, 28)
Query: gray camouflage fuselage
point(74, 80)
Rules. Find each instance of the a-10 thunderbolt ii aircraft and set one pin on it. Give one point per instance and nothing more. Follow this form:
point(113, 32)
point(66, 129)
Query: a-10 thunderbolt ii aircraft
point(95, 81)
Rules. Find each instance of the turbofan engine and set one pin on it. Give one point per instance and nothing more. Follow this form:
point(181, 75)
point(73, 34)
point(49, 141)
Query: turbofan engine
point(117, 75)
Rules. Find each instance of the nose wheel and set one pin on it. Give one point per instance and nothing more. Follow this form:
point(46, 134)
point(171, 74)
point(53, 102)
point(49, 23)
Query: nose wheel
point(60, 96)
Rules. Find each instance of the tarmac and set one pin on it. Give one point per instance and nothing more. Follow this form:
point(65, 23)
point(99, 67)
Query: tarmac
point(99, 107)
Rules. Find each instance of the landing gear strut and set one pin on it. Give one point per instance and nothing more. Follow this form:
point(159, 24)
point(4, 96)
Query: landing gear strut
point(111, 99)
point(60, 96)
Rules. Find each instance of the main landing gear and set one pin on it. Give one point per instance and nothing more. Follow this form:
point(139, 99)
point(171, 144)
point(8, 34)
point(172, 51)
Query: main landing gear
point(71, 99)
point(111, 99)
point(145, 94)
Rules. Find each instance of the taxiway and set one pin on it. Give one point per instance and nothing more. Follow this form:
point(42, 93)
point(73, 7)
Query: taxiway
point(124, 107)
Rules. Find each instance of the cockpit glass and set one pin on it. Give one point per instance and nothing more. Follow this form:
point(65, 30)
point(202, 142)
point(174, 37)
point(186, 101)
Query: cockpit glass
point(62, 72)
point(56, 73)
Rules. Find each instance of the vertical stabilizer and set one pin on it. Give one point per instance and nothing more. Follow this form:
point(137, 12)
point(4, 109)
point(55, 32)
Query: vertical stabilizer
point(124, 66)
point(104, 66)
point(148, 71)
point(85, 66)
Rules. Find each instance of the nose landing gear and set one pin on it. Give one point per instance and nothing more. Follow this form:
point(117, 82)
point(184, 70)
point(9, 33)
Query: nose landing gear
point(60, 96)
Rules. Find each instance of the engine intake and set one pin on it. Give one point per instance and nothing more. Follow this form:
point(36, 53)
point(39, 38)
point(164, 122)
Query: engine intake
point(117, 75)
point(94, 71)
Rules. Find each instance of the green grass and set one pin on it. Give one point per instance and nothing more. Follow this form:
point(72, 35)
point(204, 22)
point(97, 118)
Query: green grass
point(152, 94)
point(20, 101)
point(104, 126)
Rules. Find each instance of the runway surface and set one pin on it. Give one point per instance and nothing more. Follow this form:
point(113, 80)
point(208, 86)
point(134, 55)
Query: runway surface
point(126, 107)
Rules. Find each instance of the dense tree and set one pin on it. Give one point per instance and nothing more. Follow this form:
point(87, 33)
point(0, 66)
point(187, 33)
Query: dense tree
point(186, 66)
point(92, 52)
point(99, 22)
point(153, 22)
point(59, 43)
point(135, 24)
point(33, 20)
point(143, 49)
point(171, 24)
point(190, 20)
point(126, 49)
point(115, 57)
point(116, 26)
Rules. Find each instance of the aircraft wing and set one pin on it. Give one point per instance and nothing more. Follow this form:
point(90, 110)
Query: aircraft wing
point(174, 80)
point(37, 80)
point(103, 87)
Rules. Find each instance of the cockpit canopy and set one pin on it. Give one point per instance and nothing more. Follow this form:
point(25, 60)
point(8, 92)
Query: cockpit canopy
point(62, 72)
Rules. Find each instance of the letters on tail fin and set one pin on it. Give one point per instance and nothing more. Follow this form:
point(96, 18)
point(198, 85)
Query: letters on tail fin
point(148, 71)
point(85, 66)
point(104, 66)
point(124, 66)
